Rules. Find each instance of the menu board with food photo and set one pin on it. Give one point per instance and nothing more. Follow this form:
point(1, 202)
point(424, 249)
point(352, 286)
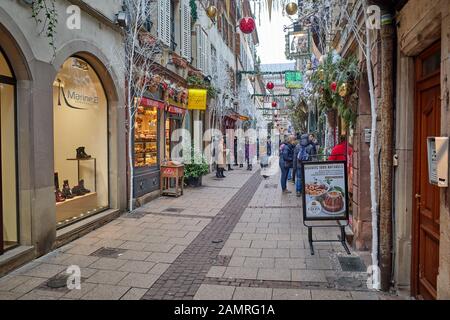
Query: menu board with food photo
point(325, 196)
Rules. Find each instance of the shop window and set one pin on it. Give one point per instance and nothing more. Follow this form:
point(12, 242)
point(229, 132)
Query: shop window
point(81, 143)
point(9, 236)
point(146, 137)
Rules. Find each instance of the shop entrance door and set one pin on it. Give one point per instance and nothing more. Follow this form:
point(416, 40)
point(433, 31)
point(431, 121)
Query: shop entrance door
point(425, 255)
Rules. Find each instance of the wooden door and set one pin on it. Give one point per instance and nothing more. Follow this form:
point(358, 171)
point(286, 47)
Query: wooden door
point(425, 255)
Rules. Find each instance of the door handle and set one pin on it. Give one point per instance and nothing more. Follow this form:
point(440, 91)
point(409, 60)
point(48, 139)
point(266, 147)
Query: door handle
point(418, 202)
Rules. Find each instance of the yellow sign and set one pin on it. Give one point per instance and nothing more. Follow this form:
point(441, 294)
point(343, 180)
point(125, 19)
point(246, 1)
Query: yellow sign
point(197, 99)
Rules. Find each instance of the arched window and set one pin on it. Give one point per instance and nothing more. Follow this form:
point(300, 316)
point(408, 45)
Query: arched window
point(9, 226)
point(80, 114)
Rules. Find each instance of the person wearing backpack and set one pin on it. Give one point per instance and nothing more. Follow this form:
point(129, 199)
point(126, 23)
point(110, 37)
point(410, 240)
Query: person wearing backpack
point(286, 162)
point(305, 151)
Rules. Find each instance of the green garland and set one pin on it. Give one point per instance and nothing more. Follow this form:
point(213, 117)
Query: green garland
point(345, 71)
point(194, 13)
point(44, 12)
point(198, 82)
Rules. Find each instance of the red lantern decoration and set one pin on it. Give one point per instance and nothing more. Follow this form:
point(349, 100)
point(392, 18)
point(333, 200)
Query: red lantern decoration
point(274, 104)
point(270, 85)
point(247, 25)
point(333, 86)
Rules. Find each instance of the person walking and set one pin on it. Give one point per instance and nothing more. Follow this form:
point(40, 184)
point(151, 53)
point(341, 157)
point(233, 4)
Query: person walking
point(247, 154)
point(221, 158)
point(304, 151)
point(286, 162)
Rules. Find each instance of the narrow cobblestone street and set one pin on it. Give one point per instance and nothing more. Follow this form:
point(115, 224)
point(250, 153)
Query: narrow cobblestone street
point(236, 238)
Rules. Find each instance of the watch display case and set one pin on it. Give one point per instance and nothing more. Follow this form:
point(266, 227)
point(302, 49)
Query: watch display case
point(146, 137)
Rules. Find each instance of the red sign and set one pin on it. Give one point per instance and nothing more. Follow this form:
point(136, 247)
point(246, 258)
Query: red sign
point(176, 110)
point(146, 102)
point(169, 172)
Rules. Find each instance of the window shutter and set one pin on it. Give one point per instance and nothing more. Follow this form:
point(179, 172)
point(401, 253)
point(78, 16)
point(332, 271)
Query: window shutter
point(186, 30)
point(199, 47)
point(164, 21)
point(205, 52)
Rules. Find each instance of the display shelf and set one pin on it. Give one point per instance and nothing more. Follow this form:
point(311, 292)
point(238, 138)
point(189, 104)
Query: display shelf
point(78, 168)
point(142, 140)
point(75, 199)
point(76, 208)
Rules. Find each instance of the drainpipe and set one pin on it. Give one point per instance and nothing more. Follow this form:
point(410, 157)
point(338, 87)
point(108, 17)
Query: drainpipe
point(387, 145)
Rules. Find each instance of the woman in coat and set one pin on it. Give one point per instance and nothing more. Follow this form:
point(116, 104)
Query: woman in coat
point(286, 162)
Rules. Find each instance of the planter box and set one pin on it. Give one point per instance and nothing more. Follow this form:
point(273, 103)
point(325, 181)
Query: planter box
point(194, 182)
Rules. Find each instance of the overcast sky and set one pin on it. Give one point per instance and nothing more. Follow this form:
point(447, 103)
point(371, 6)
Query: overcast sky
point(271, 37)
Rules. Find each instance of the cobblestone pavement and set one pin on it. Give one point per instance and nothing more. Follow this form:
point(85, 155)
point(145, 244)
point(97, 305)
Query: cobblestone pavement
point(237, 238)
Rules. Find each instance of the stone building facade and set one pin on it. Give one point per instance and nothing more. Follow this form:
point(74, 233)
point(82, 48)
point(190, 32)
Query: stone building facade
point(54, 94)
point(422, 256)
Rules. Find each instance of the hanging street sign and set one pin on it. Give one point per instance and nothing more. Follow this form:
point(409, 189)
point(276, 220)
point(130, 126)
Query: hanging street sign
point(298, 45)
point(197, 99)
point(293, 80)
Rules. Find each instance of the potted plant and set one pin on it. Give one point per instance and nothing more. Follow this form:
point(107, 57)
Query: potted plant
point(194, 170)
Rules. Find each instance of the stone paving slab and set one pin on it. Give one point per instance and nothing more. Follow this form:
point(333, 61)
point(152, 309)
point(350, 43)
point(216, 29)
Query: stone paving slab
point(230, 239)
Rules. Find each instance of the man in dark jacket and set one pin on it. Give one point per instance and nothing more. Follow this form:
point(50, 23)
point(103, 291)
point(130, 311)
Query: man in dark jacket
point(304, 151)
point(286, 162)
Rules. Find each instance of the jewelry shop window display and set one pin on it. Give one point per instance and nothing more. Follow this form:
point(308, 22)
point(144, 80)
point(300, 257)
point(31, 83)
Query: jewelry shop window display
point(9, 234)
point(81, 143)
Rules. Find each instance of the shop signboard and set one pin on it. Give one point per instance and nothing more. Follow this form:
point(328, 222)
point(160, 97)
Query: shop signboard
point(197, 99)
point(298, 45)
point(293, 80)
point(147, 102)
point(325, 195)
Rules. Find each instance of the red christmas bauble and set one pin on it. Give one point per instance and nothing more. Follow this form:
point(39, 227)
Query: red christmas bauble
point(247, 25)
point(333, 86)
point(274, 104)
point(270, 85)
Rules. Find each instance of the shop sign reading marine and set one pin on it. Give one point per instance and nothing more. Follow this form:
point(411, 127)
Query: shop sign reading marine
point(78, 92)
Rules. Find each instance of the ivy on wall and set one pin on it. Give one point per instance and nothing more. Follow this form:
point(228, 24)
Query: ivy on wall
point(45, 14)
point(198, 82)
point(194, 13)
point(335, 83)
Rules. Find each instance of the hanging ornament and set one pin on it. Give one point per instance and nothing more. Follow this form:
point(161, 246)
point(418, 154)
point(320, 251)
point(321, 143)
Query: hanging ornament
point(251, 78)
point(291, 8)
point(274, 104)
point(343, 90)
point(270, 85)
point(333, 86)
point(211, 11)
point(309, 73)
point(321, 75)
point(247, 25)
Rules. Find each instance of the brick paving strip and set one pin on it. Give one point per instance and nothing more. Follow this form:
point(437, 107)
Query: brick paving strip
point(183, 278)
